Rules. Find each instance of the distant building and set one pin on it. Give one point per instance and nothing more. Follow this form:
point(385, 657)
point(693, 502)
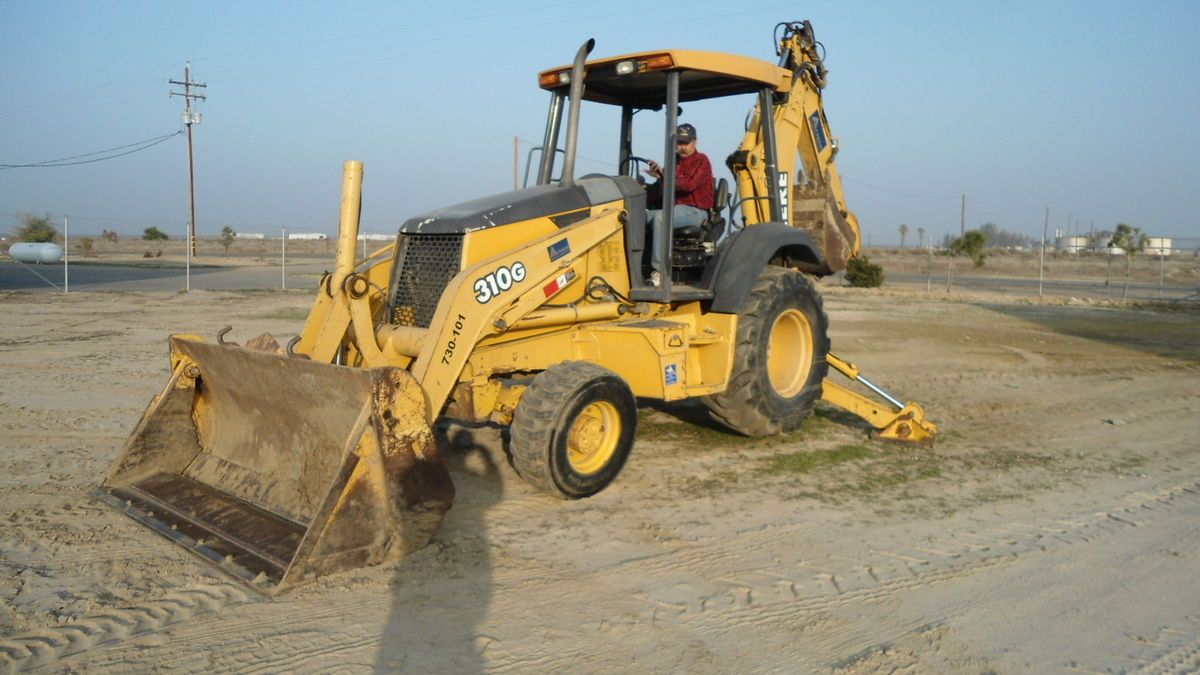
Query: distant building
point(251, 235)
point(1071, 244)
point(376, 237)
point(308, 235)
point(1158, 246)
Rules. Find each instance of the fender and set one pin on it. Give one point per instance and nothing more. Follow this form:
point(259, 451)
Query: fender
point(733, 271)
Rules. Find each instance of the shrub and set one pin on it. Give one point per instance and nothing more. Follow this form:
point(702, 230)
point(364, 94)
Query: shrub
point(863, 273)
point(154, 234)
point(227, 237)
point(972, 245)
point(35, 229)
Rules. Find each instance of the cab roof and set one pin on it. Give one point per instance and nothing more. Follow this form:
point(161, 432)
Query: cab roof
point(702, 75)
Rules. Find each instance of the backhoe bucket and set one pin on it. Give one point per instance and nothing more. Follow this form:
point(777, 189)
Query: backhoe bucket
point(280, 470)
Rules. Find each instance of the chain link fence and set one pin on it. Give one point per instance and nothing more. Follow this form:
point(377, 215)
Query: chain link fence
point(115, 263)
point(1170, 275)
point(109, 262)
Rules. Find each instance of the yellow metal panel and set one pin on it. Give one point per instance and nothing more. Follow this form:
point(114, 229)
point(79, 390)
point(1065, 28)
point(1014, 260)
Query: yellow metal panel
point(528, 353)
point(710, 357)
point(733, 66)
point(477, 301)
point(482, 245)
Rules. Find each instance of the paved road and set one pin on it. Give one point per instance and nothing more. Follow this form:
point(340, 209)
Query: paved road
point(1078, 288)
point(93, 277)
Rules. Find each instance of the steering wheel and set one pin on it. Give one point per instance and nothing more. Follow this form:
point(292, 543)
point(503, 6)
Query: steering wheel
point(637, 169)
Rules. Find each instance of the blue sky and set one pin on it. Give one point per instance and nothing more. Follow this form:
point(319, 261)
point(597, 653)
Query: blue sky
point(1088, 108)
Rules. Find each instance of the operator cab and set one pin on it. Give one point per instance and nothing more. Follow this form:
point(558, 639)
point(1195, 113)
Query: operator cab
point(660, 81)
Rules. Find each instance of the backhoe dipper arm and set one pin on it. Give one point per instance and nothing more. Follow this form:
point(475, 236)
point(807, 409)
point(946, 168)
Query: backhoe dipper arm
point(904, 422)
point(805, 153)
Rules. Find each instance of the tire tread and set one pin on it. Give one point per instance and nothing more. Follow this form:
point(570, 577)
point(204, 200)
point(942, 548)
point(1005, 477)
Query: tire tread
point(741, 406)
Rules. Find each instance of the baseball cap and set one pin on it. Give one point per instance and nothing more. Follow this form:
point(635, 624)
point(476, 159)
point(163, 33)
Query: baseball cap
point(685, 133)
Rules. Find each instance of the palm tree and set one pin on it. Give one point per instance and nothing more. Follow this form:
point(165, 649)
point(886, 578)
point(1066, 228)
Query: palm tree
point(903, 234)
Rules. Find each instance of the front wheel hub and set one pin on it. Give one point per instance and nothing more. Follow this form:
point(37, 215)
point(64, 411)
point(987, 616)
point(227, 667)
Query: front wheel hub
point(593, 437)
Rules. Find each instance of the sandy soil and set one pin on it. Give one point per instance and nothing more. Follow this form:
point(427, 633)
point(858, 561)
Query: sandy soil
point(1055, 527)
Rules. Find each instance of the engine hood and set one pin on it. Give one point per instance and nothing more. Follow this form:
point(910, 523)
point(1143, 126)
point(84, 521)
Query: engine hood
point(499, 209)
point(519, 205)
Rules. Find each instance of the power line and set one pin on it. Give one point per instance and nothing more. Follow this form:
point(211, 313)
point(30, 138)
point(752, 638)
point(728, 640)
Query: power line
point(424, 54)
point(66, 161)
point(107, 89)
point(602, 162)
point(964, 197)
point(406, 28)
point(896, 192)
point(993, 206)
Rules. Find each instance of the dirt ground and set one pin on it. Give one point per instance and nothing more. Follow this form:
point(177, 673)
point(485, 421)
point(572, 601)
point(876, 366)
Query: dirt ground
point(1054, 527)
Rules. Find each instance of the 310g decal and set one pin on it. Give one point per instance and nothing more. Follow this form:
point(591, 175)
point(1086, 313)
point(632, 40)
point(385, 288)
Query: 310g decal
point(497, 282)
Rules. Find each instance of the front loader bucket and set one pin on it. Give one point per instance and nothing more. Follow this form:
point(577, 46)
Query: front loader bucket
point(280, 470)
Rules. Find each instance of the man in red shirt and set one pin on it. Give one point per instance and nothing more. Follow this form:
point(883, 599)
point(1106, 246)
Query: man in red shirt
point(693, 191)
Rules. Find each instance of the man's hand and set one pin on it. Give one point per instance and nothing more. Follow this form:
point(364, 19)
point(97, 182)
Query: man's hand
point(655, 171)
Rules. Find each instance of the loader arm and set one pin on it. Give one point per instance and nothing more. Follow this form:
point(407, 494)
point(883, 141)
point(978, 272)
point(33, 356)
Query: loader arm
point(470, 311)
point(808, 186)
point(896, 421)
point(344, 298)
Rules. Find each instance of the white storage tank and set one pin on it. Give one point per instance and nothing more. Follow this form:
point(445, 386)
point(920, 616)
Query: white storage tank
point(1071, 244)
point(36, 253)
point(1157, 246)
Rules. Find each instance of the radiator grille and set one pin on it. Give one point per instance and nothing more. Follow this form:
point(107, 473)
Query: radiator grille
point(424, 265)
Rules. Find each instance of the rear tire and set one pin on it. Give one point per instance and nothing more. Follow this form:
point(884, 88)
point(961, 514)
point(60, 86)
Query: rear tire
point(573, 429)
point(779, 359)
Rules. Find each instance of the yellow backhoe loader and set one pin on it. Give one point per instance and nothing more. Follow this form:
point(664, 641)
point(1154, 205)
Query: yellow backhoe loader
point(529, 308)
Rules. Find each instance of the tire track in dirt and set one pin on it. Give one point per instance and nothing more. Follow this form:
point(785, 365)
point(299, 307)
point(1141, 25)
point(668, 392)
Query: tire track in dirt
point(947, 557)
point(47, 646)
point(742, 597)
point(1182, 660)
point(762, 597)
point(67, 536)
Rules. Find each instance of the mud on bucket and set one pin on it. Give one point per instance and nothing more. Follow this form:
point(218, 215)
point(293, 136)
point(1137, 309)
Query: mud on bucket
point(280, 470)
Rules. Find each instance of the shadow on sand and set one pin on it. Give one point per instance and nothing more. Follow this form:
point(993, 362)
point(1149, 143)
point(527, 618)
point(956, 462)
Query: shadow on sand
point(441, 596)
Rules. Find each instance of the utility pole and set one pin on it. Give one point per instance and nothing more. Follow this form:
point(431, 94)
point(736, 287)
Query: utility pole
point(1042, 260)
point(283, 261)
point(190, 118)
point(67, 257)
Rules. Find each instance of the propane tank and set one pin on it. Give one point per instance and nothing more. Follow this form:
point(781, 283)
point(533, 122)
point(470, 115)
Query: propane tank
point(36, 253)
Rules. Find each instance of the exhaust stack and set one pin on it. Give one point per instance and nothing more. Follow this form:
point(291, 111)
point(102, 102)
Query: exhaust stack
point(577, 72)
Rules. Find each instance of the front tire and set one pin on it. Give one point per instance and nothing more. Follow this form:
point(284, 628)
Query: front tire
point(779, 359)
point(573, 429)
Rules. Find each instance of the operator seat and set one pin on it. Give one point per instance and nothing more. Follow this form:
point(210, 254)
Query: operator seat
point(714, 226)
